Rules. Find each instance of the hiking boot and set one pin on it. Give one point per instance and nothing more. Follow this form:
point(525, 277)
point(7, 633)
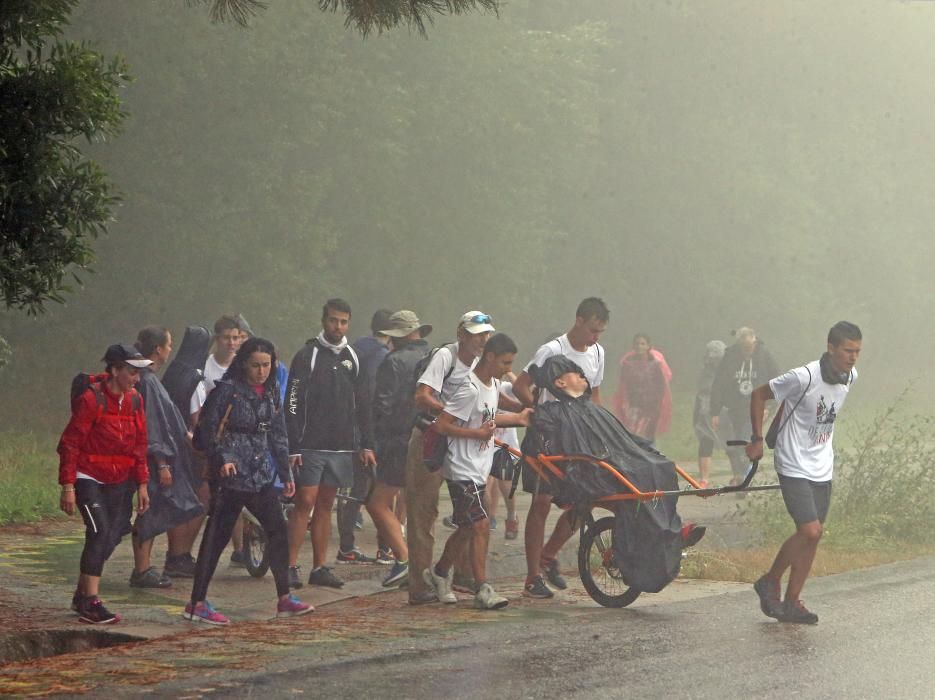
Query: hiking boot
point(692, 534)
point(797, 613)
point(440, 584)
point(295, 577)
point(463, 583)
point(768, 590)
point(322, 576)
point(512, 529)
point(292, 606)
point(449, 522)
point(537, 589)
point(204, 612)
point(355, 556)
point(397, 574)
point(488, 599)
point(423, 598)
point(550, 569)
point(149, 579)
point(181, 566)
point(238, 559)
point(385, 556)
point(91, 611)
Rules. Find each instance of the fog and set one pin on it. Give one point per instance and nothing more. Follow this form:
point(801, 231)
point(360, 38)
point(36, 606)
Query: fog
point(699, 165)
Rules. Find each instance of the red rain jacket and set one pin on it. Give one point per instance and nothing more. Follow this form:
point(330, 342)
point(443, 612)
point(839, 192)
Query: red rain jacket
point(105, 440)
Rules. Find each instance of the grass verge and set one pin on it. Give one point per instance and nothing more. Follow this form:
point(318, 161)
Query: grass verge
point(28, 477)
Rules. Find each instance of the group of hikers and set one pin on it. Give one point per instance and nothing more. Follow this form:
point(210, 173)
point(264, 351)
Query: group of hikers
point(389, 419)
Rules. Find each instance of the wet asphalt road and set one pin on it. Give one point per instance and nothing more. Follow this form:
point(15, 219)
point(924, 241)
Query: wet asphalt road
point(874, 640)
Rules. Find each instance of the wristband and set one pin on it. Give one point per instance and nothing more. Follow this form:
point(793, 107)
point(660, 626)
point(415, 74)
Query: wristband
point(165, 466)
point(68, 490)
point(756, 438)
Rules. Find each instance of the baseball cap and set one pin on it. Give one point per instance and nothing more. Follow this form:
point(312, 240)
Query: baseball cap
point(122, 352)
point(404, 322)
point(475, 322)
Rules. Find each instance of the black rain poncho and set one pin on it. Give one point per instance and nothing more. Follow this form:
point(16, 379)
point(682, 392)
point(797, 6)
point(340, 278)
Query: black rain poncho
point(186, 370)
point(647, 534)
point(167, 443)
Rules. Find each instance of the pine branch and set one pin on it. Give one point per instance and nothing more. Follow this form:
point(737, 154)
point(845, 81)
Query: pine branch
point(239, 11)
point(381, 15)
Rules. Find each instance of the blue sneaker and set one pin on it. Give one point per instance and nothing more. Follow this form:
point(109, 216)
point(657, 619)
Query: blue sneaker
point(398, 574)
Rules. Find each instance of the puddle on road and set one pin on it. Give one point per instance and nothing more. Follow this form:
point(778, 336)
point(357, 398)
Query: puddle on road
point(25, 646)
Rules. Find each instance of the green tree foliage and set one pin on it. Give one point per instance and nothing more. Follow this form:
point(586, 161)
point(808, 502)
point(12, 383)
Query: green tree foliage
point(53, 200)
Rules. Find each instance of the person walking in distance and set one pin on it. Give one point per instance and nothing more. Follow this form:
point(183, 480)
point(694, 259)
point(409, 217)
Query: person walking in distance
point(812, 397)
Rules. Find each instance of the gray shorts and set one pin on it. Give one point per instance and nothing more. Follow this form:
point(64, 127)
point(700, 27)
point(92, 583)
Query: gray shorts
point(806, 501)
point(326, 469)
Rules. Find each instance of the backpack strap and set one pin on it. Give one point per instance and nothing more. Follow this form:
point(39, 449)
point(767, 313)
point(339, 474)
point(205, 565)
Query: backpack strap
point(355, 360)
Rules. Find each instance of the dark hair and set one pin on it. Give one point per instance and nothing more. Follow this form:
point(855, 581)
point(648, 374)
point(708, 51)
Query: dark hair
point(841, 331)
point(225, 323)
point(592, 307)
point(335, 304)
point(238, 366)
point(150, 338)
point(649, 341)
point(500, 344)
point(380, 321)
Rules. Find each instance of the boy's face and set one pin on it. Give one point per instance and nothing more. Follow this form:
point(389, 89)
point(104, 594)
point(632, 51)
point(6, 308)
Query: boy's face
point(572, 383)
point(500, 364)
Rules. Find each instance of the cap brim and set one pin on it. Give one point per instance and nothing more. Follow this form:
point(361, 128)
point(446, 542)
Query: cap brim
point(139, 364)
point(475, 328)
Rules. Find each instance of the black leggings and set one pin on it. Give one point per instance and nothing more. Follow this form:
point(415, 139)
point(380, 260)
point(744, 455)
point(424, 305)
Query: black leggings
point(106, 510)
point(226, 505)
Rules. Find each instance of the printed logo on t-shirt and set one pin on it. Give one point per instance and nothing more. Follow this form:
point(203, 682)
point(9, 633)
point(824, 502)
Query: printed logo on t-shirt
point(488, 415)
point(745, 377)
point(824, 422)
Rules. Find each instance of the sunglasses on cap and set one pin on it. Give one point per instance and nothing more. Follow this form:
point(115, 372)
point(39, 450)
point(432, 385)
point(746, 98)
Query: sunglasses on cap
point(479, 318)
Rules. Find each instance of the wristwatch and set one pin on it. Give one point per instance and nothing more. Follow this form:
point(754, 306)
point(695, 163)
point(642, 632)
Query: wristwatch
point(756, 438)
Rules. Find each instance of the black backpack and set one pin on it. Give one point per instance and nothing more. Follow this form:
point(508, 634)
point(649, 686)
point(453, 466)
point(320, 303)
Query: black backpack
point(422, 365)
point(83, 381)
point(186, 370)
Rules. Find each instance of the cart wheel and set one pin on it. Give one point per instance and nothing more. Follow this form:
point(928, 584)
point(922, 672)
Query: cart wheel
point(598, 569)
point(254, 546)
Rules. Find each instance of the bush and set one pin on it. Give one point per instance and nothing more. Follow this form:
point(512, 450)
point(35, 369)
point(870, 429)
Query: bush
point(884, 485)
point(28, 477)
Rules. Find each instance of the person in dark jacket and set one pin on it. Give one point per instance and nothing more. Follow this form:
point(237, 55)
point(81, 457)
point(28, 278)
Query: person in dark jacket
point(394, 411)
point(701, 415)
point(102, 456)
point(746, 365)
point(371, 351)
point(240, 425)
point(170, 459)
point(328, 420)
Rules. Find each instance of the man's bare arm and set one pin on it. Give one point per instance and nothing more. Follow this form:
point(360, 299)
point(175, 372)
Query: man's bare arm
point(522, 387)
point(426, 401)
point(596, 395)
point(758, 400)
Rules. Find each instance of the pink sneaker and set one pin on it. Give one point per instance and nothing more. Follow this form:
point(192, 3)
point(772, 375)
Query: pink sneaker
point(204, 612)
point(292, 606)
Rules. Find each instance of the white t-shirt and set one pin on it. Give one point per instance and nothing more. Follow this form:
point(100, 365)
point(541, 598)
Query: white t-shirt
point(434, 375)
point(803, 446)
point(472, 405)
point(591, 361)
point(213, 372)
point(507, 435)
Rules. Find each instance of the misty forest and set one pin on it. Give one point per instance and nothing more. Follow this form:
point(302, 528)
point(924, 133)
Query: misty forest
point(700, 166)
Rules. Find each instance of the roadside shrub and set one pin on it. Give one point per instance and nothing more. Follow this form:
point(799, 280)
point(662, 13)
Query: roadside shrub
point(28, 478)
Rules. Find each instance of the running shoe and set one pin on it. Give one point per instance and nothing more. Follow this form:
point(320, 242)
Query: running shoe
point(488, 599)
point(537, 589)
point(149, 579)
point(692, 534)
point(91, 611)
point(385, 556)
point(440, 584)
point(423, 598)
point(512, 529)
point(291, 606)
point(322, 576)
point(398, 574)
point(295, 577)
point(462, 583)
point(768, 590)
point(493, 523)
point(796, 612)
point(181, 566)
point(204, 612)
point(238, 559)
point(550, 569)
point(448, 521)
point(355, 556)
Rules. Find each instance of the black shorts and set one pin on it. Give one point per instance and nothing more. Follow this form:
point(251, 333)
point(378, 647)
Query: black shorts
point(705, 447)
point(533, 483)
point(468, 501)
point(806, 501)
point(391, 462)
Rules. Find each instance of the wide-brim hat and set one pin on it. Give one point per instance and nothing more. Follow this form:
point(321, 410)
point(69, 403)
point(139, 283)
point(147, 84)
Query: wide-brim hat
point(405, 322)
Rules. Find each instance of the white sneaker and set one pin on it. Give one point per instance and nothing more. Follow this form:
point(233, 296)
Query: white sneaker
point(440, 584)
point(488, 599)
